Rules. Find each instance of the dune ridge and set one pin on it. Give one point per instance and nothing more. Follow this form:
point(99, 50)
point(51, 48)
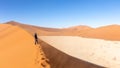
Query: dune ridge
point(45, 31)
point(17, 49)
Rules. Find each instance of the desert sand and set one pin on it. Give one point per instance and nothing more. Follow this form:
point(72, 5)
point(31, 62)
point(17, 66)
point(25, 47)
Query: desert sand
point(45, 31)
point(109, 32)
point(58, 59)
point(17, 49)
point(96, 51)
point(95, 47)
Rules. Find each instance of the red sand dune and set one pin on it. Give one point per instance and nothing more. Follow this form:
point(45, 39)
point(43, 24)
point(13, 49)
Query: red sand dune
point(110, 32)
point(17, 49)
point(76, 30)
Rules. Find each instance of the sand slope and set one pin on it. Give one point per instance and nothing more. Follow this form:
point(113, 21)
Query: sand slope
point(40, 30)
point(17, 49)
point(45, 31)
point(59, 59)
point(110, 32)
point(100, 52)
point(106, 51)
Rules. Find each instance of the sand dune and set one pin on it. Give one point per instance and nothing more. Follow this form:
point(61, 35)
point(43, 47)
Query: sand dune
point(110, 32)
point(17, 49)
point(40, 30)
point(45, 31)
point(100, 52)
point(58, 59)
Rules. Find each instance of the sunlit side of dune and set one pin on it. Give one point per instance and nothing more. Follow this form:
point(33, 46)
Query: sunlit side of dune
point(17, 49)
point(109, 32)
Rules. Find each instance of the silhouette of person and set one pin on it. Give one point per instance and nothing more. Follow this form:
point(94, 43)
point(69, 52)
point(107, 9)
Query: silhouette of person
point(36, 38)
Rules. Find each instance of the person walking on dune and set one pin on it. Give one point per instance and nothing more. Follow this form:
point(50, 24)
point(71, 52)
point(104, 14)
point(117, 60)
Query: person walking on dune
point(36, 38)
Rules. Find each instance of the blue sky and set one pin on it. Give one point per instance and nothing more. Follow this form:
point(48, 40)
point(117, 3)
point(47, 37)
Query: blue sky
point(61, 13)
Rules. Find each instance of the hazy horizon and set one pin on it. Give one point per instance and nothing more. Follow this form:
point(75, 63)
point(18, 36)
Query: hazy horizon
point(61, 13)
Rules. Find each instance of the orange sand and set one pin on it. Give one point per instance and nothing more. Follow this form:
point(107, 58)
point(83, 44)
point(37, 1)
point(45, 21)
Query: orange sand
point(17, 49)
point(109, 32)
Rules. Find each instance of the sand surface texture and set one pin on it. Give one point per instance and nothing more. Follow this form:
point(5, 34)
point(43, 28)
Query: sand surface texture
point(17, 49)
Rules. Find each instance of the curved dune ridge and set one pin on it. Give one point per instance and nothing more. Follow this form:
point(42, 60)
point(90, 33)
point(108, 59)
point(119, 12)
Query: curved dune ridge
point(96, 51)
point(17, 49)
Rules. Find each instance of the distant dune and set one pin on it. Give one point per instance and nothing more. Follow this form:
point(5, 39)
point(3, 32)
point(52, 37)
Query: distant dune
point(44, 31)
point(110, 32)
point(96, 51)
point(32, 29)
point(17, 49)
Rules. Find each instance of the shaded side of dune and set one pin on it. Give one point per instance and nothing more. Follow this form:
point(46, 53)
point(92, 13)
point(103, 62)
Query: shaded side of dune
point(59, 59)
